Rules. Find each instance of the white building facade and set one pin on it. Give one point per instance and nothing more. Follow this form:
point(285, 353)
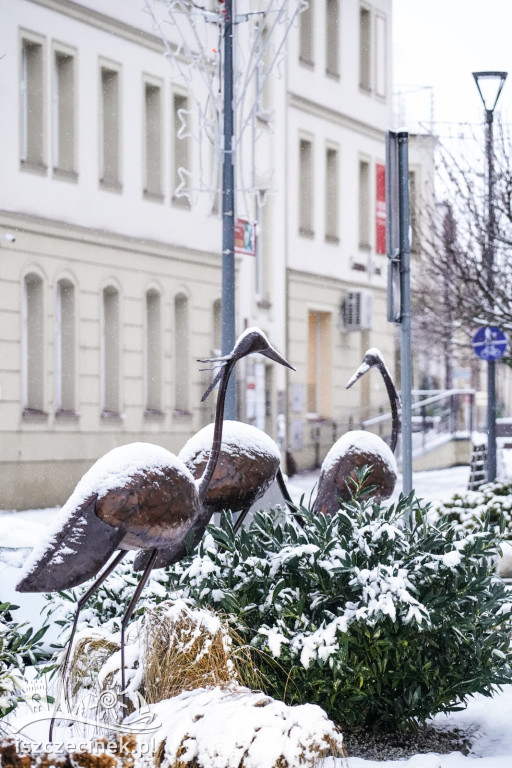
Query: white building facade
point(111, 284)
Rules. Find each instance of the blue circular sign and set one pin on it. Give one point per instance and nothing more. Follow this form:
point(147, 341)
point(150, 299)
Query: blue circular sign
point(489, 343)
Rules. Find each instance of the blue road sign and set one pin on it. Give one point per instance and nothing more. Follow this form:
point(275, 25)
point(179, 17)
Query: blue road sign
point(489, 343)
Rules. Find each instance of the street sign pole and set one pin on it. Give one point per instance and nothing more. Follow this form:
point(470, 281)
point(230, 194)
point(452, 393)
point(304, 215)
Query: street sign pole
point(399, 278)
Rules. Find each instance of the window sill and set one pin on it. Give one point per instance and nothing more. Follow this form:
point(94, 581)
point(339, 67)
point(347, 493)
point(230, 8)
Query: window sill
point(155, 197)
point(332, 75)
point(365, 89)
point(65, 175)
point(111, 185)
point(358, 267)
point(181, 202)
point(308, 63)
point(182, 414)
point(153, 414)
point(34, 414)
point(112, 416)
point(365, 246)
point(33, 167)
point(332, 239)
point(264, 304)
point(309, 233)
point(63, 415)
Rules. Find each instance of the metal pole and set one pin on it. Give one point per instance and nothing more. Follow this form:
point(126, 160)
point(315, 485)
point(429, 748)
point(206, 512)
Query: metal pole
point(491, 364)
point(228, 210)
point(405, 319)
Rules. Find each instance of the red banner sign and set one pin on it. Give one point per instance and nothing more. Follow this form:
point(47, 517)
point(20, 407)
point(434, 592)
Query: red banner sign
point(380, 210)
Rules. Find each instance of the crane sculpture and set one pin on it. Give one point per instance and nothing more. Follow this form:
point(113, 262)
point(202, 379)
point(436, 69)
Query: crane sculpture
point(359, 448)
point(249, 462)
point(137, 496)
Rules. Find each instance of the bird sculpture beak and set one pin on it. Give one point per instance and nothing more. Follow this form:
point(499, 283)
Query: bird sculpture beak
point(363, 368)
point(274, 355)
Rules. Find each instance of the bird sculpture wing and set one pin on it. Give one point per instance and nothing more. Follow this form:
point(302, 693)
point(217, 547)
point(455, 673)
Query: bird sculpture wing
point(80, 546)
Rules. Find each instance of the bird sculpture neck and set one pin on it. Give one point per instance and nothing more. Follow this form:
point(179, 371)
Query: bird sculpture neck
point(205, 479)
point(394, 402)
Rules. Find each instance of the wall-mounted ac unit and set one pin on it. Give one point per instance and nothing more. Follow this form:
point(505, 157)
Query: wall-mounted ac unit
point(357, 314)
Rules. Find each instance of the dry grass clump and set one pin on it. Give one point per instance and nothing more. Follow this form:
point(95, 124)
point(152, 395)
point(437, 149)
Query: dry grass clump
point(186, 649)
point(170, 649)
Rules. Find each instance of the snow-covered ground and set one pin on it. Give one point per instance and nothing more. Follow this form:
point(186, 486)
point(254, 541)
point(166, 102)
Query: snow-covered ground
point(489, 719)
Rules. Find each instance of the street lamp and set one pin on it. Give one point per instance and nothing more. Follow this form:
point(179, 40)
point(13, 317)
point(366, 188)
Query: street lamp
point(490, 85)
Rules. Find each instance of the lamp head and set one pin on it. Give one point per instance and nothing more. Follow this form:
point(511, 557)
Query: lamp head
point(490, 85)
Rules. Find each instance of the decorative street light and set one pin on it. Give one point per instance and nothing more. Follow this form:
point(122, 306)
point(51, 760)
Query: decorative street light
point(490, 85)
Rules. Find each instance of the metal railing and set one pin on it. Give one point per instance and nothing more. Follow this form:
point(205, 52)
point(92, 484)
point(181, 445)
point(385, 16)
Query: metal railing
point(436, 415)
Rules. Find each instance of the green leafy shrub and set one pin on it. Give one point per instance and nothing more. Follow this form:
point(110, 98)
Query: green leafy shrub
point(18, 649)
point(467, 510)
point(382, 625)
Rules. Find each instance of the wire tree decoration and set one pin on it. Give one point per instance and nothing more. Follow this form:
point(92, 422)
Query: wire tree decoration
point(192, 33)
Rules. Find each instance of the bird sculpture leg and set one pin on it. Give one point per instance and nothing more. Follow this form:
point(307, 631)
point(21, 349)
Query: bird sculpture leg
point(127, 616)
point(80, 604)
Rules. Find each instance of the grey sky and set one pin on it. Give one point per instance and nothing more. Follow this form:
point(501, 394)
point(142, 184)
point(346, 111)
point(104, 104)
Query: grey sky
point(440, 43)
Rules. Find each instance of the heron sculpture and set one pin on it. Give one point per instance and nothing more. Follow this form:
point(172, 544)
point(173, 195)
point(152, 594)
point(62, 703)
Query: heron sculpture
point(359, 448)
point(137, 496)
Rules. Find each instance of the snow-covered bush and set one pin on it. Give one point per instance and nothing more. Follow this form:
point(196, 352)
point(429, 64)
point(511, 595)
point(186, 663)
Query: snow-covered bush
point(379, 624)
point(467, 509)
point(19, 647)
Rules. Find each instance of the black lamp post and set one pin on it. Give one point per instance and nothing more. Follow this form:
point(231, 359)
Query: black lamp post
point(490, 85)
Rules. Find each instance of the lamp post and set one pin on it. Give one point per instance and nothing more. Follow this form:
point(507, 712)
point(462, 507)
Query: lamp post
point(490, 85)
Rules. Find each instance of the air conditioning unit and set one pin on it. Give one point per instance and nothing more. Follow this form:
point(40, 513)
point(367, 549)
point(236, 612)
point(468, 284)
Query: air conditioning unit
point(357, 314)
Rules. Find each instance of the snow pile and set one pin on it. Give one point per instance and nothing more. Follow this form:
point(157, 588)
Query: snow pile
point(238, 728)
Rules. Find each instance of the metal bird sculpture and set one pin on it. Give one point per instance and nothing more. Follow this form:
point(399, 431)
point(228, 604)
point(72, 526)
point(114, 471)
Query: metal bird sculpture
point(170, 555)
point(359, 448)
point(248, 464)
point(137, 496)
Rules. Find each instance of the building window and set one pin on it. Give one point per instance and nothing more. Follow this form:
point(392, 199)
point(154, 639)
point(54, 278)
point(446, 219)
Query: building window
point(33, 129)
point(110, 353)
point(365, 51)
point(331, 195)
point(332, 36)
point(153, 352)
point(319, 374)
point(181, 366)
point(110, 130)
point(33, 344)
point(306, 188)
point(64, 113)
point(181, 149)
point(381, 56)
point(306, 34)
point(65, 347)
point(217, 328)
point(364, 204)
point(152, 141)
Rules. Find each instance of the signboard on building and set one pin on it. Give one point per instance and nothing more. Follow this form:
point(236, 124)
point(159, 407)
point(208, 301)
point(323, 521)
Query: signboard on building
point(245, 237)
point(380, 209)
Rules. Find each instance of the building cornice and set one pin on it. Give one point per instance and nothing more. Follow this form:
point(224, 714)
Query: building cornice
point(43, 227)
point(339, 118)
point(105, 23)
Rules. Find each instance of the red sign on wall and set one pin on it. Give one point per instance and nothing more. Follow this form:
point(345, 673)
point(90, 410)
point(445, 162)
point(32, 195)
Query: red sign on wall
point(245, 237)
point(380, 209)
